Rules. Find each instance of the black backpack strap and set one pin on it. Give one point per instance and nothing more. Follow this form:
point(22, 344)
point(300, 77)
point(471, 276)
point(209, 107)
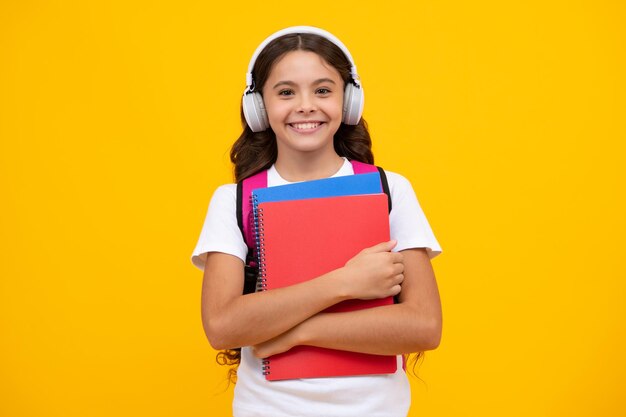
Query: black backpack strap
point(239, 207)
point(250, 274)
point(385, 184)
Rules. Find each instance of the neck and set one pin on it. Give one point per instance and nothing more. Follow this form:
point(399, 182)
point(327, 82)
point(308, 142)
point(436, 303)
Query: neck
point(308, 167)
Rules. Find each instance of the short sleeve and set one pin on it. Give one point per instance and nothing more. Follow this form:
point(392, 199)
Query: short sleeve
point(220, 232)
point(408, 222)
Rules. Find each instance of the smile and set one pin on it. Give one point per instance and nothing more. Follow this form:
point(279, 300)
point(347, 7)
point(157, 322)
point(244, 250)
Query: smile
point(305, 126)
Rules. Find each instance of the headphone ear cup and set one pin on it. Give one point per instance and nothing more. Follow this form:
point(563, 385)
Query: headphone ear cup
point(352, 104)
point(254, 111)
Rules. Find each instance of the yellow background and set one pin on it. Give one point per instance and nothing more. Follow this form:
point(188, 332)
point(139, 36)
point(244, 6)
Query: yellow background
point(116, 119)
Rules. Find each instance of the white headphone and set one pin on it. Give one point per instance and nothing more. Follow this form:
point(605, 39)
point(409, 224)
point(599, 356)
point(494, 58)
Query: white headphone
point(253, 107)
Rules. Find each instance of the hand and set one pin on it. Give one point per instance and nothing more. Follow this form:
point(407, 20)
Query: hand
point(278, 344)
point(375, 272)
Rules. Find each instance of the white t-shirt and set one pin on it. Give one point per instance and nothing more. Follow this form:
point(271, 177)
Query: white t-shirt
point(371, 395)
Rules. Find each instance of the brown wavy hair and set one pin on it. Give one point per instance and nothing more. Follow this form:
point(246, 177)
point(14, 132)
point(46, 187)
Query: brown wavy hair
point(254, 152)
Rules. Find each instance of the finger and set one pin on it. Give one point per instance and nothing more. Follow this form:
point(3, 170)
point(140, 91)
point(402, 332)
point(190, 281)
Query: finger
point(396, 257)
point(381, 247)
point(394, 268)
point(395, 290)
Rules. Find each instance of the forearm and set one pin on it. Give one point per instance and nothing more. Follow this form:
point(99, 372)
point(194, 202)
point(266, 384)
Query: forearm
point(254, 318)
point(387, 330)
point(412, 325)
point(233, 320)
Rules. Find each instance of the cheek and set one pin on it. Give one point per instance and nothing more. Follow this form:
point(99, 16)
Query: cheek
point(275, 109)
point(337, 108)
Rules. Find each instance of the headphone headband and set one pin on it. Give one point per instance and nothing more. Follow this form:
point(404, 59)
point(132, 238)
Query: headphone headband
point(300, 29)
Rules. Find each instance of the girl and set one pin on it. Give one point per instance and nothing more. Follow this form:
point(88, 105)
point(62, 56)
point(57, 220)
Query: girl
point(301, 117)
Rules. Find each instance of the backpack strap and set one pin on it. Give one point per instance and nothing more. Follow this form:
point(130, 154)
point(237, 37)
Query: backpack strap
point(363, 168)
point(244, 210)
point(244, 205)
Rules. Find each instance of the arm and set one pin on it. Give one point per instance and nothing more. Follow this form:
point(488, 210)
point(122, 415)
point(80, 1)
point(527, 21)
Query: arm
point(413, 325)
point(231, 319)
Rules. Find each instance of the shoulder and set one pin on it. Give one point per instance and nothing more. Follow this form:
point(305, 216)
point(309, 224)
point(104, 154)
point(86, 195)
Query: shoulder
point(399, 185)
point(225, 191)
point(224, 202)
point(407, 219)
point(220, 232)
point(224, 196)
point(395, 177)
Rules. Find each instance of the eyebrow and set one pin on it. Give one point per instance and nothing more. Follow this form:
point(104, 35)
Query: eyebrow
point(292, 84)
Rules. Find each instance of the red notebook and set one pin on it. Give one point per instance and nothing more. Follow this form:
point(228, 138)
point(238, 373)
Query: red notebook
point(303, 239)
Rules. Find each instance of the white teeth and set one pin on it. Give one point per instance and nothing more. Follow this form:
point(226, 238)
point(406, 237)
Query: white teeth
point(305, 125)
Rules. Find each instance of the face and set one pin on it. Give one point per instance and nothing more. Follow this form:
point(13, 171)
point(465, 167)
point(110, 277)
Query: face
point(303, 97)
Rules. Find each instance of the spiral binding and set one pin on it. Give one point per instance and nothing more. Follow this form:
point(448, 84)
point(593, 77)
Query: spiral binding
point(266, 366)
point(259, 239)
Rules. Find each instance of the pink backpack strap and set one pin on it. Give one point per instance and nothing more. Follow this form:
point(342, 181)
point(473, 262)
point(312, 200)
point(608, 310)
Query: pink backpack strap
point(244, 192)
point(362, 167)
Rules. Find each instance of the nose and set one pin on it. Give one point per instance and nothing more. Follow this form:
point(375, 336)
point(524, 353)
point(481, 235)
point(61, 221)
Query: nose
point(306, 104)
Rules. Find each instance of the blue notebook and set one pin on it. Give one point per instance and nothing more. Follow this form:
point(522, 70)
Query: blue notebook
point(327, 187)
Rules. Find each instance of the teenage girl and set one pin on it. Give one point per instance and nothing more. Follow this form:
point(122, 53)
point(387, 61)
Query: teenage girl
point(299, 130)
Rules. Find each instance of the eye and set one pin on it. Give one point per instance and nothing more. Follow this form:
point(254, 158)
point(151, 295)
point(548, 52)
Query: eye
point(323, 91)
point(285, 92)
